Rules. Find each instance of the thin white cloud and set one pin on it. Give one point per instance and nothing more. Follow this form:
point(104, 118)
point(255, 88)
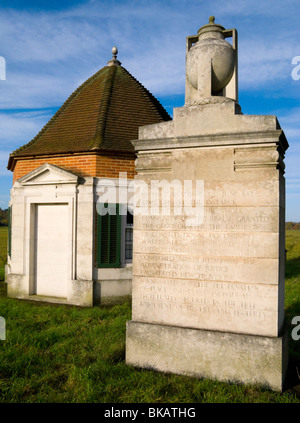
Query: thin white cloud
point(289, 121)
point(25, 90)
point(260, 65)
point(49, 51)
point(258, 9)
point(44, 37)
point(291, 116)
point(3, 163)
point(19, 128)
point(49, 54)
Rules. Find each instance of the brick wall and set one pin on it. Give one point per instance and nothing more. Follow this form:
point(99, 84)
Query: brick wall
point(83, 165)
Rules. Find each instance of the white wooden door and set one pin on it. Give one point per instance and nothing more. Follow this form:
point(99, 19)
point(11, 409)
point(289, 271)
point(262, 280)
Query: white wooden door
point(51, 250)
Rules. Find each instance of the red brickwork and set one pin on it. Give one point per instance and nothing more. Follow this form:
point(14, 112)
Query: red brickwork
point(82, 165)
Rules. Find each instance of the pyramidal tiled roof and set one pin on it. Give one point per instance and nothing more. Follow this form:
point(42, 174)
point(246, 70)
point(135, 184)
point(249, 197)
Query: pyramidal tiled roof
point(103, 114)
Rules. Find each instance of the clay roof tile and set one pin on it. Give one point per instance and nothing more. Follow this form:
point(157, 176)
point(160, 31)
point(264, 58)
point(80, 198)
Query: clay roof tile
point(104, 113)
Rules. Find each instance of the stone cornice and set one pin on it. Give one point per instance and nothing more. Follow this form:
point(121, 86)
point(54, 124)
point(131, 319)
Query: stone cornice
point(215, 140)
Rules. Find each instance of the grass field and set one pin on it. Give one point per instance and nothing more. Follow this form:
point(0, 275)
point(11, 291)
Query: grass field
point(56, 353)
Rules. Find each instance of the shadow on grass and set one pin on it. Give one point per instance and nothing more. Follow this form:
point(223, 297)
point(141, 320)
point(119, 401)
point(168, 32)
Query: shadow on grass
point(292, 381)
point(3, 289)
point(292, 268)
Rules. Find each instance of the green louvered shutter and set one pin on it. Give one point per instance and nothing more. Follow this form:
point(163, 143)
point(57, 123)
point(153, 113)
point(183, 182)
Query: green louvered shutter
point(109, 239)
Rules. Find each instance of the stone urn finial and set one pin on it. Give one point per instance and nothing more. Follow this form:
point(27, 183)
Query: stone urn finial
point(211, 63)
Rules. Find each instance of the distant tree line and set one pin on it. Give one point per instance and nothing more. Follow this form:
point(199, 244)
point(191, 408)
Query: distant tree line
point(292, 225)
point(3, 217)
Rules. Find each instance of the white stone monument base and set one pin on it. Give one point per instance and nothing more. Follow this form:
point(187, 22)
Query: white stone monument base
point(223, 356)
point(80, 292)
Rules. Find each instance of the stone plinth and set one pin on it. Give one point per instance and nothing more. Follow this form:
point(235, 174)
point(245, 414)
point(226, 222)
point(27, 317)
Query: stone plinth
point(215, 355)
point(217, 267)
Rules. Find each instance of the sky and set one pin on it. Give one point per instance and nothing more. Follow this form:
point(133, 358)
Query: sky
point(48, 48)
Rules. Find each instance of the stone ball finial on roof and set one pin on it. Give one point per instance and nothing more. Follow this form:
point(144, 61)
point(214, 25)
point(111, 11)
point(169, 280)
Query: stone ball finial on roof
point(114, 51)
point(114, 61)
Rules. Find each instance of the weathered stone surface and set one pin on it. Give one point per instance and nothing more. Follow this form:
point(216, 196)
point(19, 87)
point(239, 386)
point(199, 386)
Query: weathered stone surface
point(206, 304)
point(208, 287)
point(239, 239)
point(217, 355)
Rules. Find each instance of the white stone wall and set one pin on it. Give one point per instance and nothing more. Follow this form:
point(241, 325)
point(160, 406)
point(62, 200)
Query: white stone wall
point(85, 284)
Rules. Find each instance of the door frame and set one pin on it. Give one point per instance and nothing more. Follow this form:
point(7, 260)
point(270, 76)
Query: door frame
point(30, 260)
point(34, 252)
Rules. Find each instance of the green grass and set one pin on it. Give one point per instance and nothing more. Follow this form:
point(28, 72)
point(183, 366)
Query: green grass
point(68, 354)
point(57, 353)
point(292, 286)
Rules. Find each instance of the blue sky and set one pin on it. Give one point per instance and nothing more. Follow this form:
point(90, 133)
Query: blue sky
point(51, 47)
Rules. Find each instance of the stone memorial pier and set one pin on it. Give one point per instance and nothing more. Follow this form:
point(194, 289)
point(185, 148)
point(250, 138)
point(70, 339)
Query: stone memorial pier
point(209, 232)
